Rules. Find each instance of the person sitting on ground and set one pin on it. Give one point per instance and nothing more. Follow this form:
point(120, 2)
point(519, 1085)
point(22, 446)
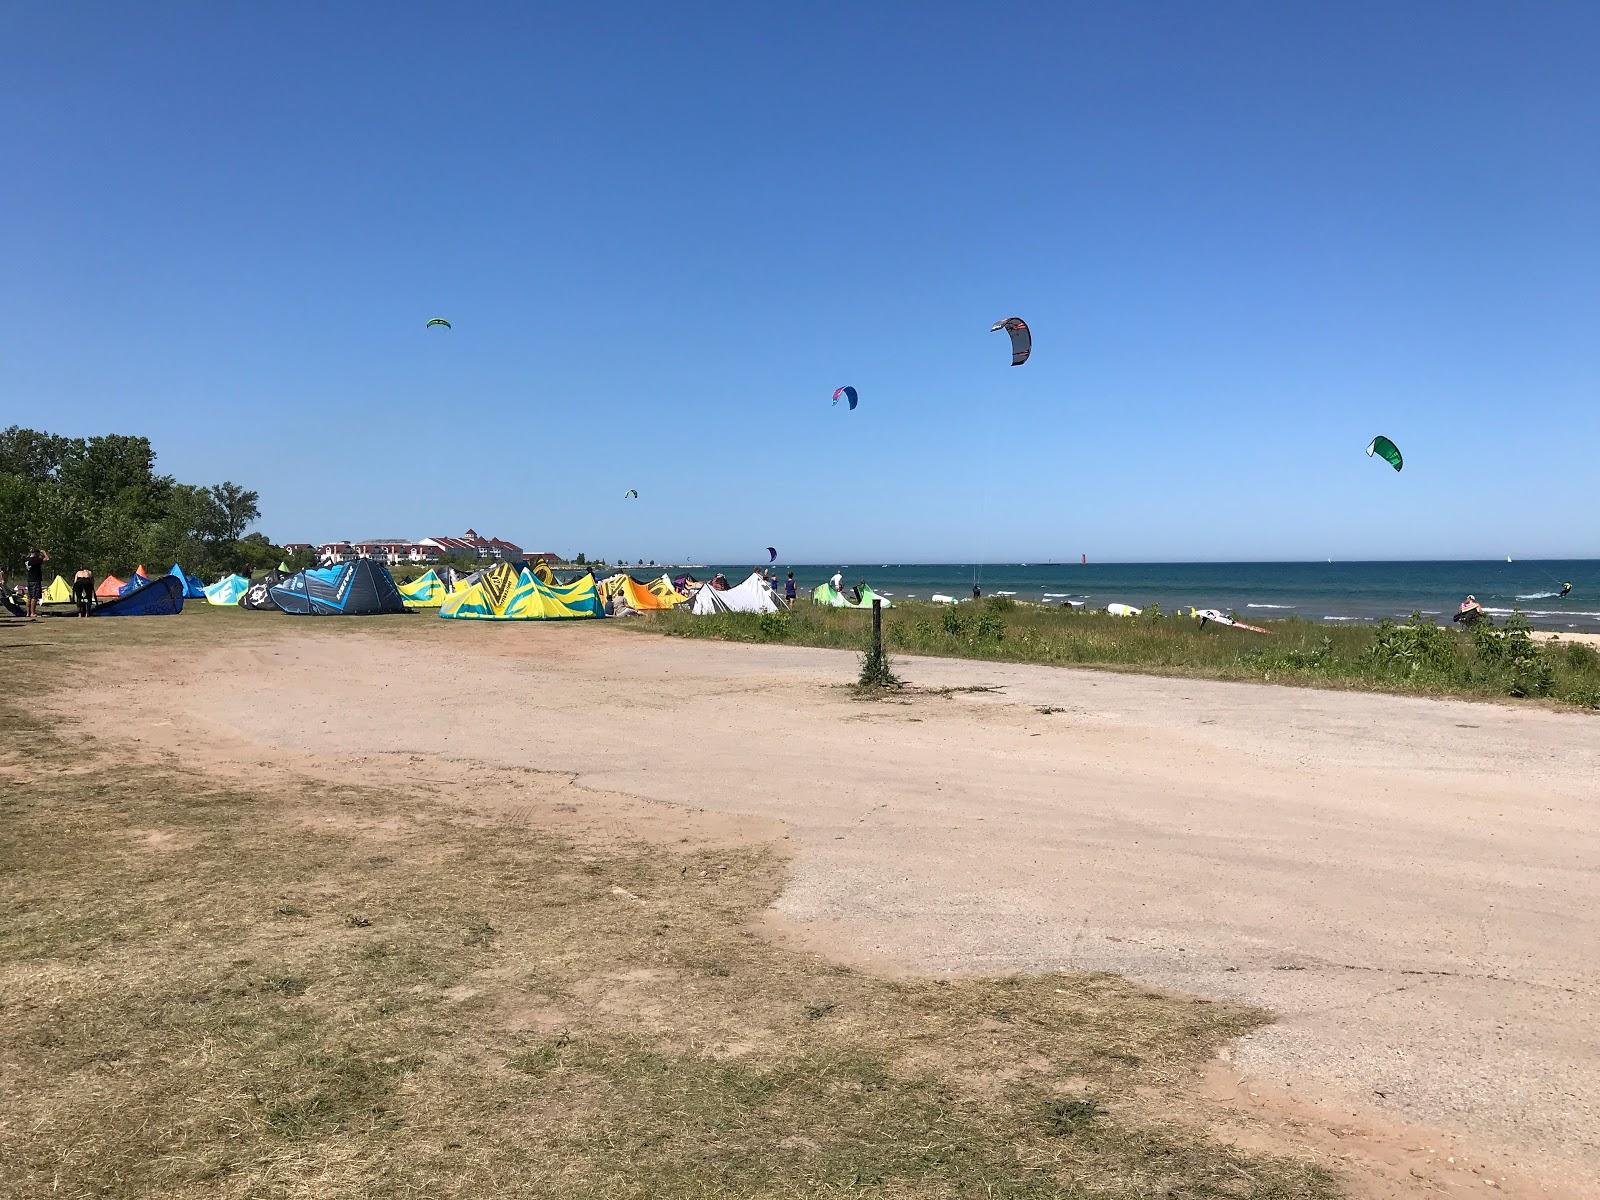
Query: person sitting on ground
point(83, 590)
point(1470, 611)
point(35, 563)
point(6, 602)
point(719, 582)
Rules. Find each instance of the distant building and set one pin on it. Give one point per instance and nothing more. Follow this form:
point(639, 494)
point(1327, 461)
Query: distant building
point(474, 545)
point(407, 550)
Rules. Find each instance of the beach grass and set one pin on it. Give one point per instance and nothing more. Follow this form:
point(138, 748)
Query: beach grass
point(1416, 657)
point(250, 986)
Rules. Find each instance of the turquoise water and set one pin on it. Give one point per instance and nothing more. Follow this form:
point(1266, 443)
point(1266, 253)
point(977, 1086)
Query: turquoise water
point(1331, 592)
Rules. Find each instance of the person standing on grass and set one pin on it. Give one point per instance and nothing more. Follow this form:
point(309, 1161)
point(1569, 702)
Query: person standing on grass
point(788, 588)
point(83, 590)
point(35, 564)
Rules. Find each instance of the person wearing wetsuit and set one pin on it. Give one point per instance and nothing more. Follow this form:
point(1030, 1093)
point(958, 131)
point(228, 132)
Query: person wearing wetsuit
point(1566, 587)
point(83, 590)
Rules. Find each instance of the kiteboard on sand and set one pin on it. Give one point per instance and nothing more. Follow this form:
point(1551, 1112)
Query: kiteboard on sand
point(1221, 618)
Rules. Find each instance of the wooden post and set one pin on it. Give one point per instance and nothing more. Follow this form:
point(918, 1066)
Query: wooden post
point(877, 628)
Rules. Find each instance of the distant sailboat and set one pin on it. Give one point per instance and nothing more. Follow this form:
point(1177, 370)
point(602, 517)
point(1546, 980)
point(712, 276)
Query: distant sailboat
point(1508, 558)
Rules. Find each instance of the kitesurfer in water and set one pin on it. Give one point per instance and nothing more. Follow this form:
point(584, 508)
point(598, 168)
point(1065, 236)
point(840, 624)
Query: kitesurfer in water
point(1566, 587)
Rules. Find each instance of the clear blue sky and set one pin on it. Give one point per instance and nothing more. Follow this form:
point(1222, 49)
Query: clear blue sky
point(1247, 237)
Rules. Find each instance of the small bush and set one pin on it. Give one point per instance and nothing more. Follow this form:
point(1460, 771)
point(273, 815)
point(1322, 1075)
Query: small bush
point(774, 626)
point(1417, 647)
point(988, 627)
point(1580, 657)
point(954, 622)
point(1001, 604)
point(1511, 652)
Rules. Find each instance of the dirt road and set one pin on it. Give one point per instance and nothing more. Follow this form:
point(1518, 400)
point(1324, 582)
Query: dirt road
point(1411, 884)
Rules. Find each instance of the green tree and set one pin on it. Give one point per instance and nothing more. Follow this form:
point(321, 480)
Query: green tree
point(239, 509)
point(114, 469)
point(32, 455)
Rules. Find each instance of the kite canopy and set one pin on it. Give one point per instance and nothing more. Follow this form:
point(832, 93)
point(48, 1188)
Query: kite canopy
point(1386, 450)
point(437, 321)
point(826, 594)
point(193, 589)
point(641, 597)
point(227, 591)
point(631, 494)
point(754, 595)
point(353, 589)
point(772, 554)
point(110, 587)
point(849, 393)
point(427, 591)
point(258, 595)
point(503, 593)
point(1021, 338)
point(160, 597)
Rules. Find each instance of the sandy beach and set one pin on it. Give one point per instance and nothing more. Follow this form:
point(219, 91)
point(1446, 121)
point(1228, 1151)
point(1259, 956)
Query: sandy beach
point(1585, 639)
point(1408, 883)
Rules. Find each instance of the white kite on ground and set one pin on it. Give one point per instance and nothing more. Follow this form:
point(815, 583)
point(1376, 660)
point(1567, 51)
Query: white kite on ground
point(754, 595)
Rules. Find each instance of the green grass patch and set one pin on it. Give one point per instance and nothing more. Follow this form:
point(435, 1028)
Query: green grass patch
point(1415, 657)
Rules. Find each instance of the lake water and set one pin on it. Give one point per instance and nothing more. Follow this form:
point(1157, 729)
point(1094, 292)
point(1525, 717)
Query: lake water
point(1331, 592)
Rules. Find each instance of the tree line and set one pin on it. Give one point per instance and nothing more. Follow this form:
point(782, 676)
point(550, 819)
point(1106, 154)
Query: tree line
point(98, 502)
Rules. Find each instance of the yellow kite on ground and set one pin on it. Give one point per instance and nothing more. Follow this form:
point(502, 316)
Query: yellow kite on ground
point(641, 597)
point(667, 592)
point(426, 591)
point(543, 573)
point(59, 592)
point(503, 594)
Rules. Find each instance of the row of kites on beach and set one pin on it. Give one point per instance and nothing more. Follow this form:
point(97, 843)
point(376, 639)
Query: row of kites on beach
point(1021, 347)
point(504, 591)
